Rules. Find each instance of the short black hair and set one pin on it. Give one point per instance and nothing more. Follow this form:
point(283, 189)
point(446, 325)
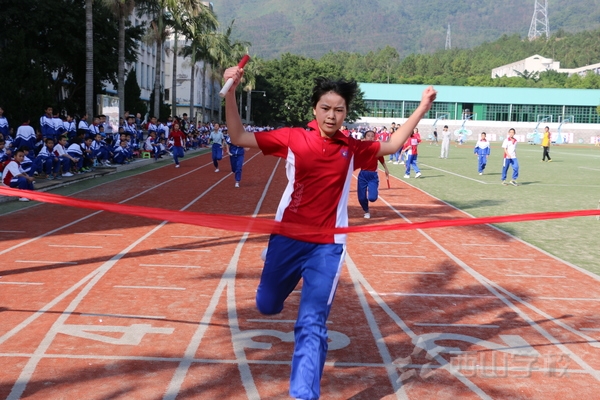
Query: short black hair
point(346, 89)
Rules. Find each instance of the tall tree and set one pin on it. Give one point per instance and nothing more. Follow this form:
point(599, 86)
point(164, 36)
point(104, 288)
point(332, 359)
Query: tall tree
point(89, 58)
point(121, 9)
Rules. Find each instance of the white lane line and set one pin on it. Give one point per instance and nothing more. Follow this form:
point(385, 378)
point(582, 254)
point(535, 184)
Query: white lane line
point(590, 329)
point(91, 280)
point(97, 234)
point(485, 245)
point(46, 262)
point(591, 169)
point(12, 231)
point(171, 266)
point(227, 281)
point(394, 256)
point(452, 173)
point(419, 205)
point(495, 289)
point(148, 287)
point(568, 298)
point(536, 276)
point(388, 242)
point(174, 249)
point(74, 246)
point(21, 283)
point(450, 295)
point(507, 259)
point(413, 273)
point(196, 237)
point(122, 316)
point(458, 325)
point(98, 212)
point(360, 286)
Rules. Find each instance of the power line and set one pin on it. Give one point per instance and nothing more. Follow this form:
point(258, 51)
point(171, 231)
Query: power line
point(539, 23)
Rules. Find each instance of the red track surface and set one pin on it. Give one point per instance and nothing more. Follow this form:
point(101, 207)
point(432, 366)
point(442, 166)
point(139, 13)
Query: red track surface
point(98, 306)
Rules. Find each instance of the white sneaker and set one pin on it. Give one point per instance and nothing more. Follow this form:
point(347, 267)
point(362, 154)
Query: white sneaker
point(395, 162)
point(407, 176)
point(176, 165)
point(23, 199)
point(481, 173)
point(237, 184)
point(367, 215)
point(401, 163)
point(67, 174)
point(389, 161)
point(418, 174)
point(217, 170)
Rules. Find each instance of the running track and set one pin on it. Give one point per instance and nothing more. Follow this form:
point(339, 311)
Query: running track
point(101, 306)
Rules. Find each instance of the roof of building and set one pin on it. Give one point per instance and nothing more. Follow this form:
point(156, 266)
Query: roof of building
point(483, 95)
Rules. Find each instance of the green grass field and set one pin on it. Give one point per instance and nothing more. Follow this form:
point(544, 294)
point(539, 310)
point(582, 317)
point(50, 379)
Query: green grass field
point(570, 182)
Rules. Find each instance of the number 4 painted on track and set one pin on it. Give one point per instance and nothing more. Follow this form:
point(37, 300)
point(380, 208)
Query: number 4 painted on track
point(132, 334)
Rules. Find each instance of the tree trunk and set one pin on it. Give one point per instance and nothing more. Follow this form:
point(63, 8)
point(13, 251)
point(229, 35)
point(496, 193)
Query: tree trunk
point(204, 91)
point(248, 106)
point(174, 80)
point(193, 81)
point(89, 59)
point(159, 49)
point(121, 67)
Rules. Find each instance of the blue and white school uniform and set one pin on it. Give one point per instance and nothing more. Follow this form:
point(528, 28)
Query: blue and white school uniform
point(70, 129)
point(25, 137)
point(236, 158)
point(217, 147)
point(47, 127)
point(4, 127)
point(100, 151)
point(46, 161)
point(10, 177)
point(59, 126)
point(64, 161)
point(482, 149)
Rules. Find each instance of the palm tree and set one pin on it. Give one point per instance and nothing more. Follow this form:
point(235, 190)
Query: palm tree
point(121, 9)
point(159, 31)
point(89, 58)
point(251, 71)
point(198, 28)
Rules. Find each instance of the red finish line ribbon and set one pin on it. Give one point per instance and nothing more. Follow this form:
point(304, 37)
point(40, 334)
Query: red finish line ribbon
point(268, 226)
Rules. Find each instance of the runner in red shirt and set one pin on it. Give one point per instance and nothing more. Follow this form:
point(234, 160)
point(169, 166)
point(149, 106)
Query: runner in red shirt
point(178, 143)
point(319, 163)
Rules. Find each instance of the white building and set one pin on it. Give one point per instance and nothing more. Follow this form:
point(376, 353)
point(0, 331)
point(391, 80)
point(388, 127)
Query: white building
point(537, 63)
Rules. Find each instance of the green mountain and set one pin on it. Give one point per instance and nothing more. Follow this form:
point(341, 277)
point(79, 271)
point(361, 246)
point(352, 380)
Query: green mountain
point(315, 27)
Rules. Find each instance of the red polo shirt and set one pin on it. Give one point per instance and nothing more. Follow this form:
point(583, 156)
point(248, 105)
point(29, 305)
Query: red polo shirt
point(319, 172)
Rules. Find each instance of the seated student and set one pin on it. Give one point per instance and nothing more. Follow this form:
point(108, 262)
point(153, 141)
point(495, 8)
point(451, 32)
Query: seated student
point(88, 159)
point(25, 136)
point(14, 175)
point(5, 155)
point(27, 163)
point(47, 162)
point(160, 149)
point(100, 151)
point(150, 143)
point(122, 154)
point(64, 158)
point(75, 151)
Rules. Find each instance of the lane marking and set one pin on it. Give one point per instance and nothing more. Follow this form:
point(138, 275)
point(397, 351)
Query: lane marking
point(90, 281)
point(46, 262)
point(414, 273)
point(360, 286)
point(12, 231)
point(496, 289)
point(458, 325)
point(122, 316)
point(227, 281)
point(591, 169)
point(451, 295)
point(536, 276)
point(97, 234)
point(174, 249)
point(171, 266)
point(507, 259)
point(452, 173)
point(568, 298)
point(590, 329)
point(196, 237)
point(74, 246)
point(148, 287)
point(21, 283)
point(98, 212)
